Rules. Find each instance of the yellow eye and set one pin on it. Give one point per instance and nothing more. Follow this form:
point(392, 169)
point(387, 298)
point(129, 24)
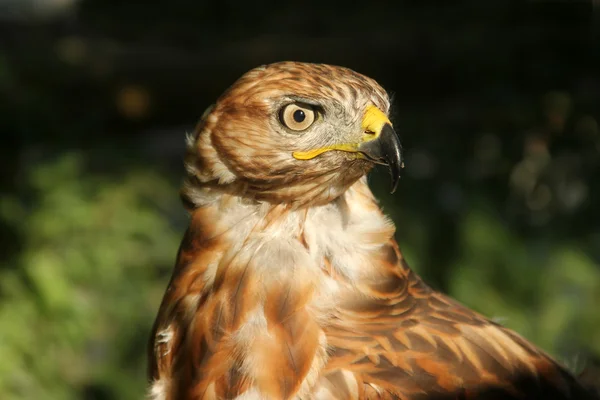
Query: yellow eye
point(297, 117)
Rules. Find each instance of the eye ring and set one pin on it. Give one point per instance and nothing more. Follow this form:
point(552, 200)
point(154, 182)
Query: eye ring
point(297, 117)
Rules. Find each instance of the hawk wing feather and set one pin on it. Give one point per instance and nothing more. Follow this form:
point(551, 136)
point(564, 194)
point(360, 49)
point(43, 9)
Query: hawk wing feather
point(408, 340)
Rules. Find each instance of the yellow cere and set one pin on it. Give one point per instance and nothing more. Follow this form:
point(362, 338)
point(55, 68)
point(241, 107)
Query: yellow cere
point(372, 124)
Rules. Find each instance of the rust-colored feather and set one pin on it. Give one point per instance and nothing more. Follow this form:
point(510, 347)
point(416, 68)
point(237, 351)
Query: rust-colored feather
point(417, 343)
point(234, 335)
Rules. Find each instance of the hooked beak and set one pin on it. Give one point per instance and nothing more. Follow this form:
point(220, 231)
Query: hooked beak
point(385, 149)
point(379, 144)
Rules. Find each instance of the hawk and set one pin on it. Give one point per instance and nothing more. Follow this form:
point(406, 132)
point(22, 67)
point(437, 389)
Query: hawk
point(289, 283)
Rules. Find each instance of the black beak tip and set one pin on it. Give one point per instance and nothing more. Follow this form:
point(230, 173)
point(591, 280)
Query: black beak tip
point(394, 184)
point(395, 175)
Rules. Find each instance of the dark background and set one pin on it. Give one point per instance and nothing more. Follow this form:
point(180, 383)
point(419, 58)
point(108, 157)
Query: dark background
point(497, 104)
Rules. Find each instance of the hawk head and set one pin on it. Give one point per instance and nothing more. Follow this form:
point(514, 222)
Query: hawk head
point(295, 133)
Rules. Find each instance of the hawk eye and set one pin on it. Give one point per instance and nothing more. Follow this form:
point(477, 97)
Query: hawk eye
point(297, 117)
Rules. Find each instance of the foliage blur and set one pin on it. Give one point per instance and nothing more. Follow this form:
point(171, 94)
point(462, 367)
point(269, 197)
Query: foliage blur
point(497, 104)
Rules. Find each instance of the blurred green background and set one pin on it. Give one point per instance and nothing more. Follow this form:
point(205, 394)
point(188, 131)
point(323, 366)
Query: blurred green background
point(497, 103)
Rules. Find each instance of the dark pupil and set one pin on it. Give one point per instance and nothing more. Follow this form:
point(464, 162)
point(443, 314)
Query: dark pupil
point(299, 116)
